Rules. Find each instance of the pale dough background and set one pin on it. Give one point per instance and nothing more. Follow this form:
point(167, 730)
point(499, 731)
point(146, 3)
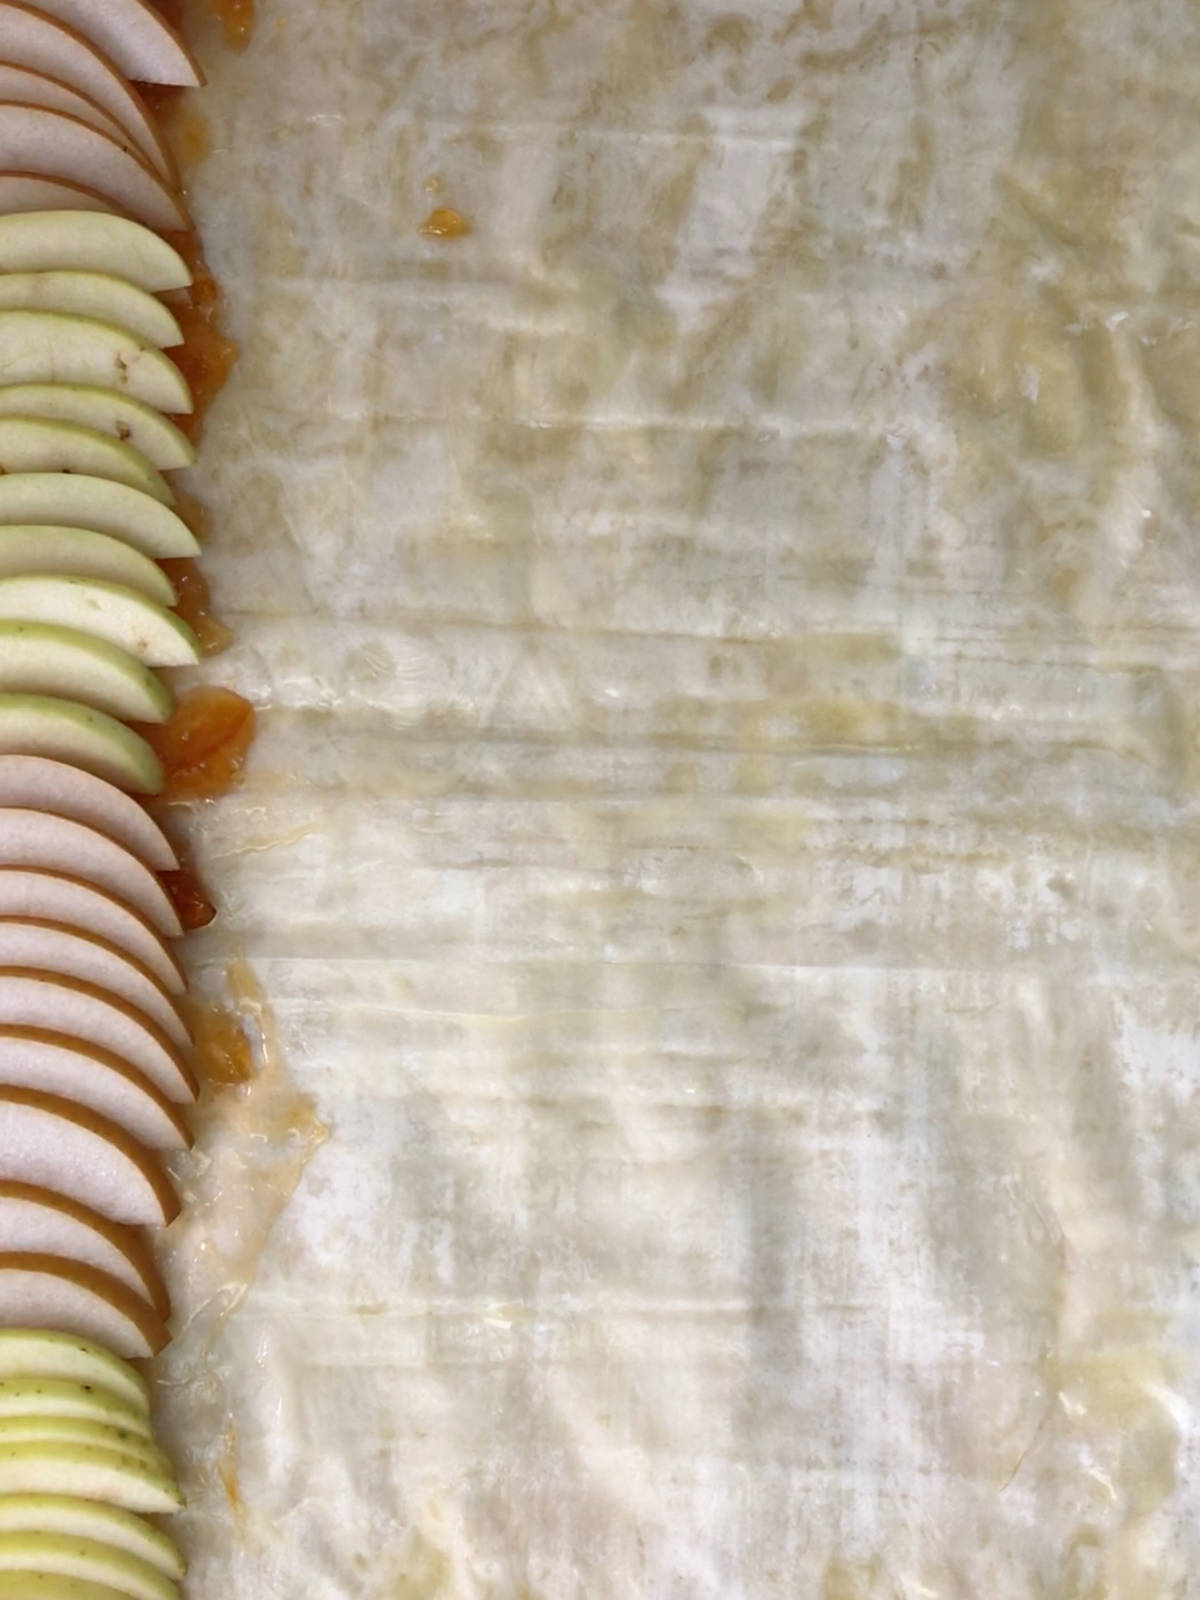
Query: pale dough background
point(723, 850)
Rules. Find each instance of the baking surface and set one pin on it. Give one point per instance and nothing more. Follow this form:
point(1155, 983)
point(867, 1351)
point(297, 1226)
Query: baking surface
point(722, 851)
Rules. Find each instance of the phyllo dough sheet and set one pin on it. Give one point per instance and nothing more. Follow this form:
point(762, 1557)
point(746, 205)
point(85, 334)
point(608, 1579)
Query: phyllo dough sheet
point(720, 860)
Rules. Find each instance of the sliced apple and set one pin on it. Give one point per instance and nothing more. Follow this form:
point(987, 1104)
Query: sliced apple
point(88, 1473)
point(113, 508)
point(35, 88)
point(51, 1292)
point(93, 294)
point(43, 725)
point(59, 844)
point(64, 1005)
point(86, 1560)
point(38, 658)
point(22, 192)
point(91, 1519)
point(50, 1586)
point(57, 347)
point(31, 1428)
point(38, 444)
point(67, 1397)
point(63, 240)
point(56, 898)
point(163, 444)
point(33, 1352)
point(42, 1222)
point(82, 553)
point(39, 946)
point(32, 39)
point(40, 785)
point(122, 617)
point(133, 36)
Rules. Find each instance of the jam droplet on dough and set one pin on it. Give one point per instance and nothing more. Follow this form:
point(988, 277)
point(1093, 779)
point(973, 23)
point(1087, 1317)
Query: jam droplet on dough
point(445, 223)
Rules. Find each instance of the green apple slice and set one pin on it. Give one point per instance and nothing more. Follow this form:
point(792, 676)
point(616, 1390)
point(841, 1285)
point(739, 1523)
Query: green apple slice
point(68, 1397)
point(122, 617)
point(51, 240)
point(90, 1473)
point(25, 192)
point(98, 1081)
point(38, 658)
point(43, 725)
point(35, 784)
point(37, 444)
point(86, 1560)
point(81, 553)
point(56, 347)
point(38, 1221)
point(92, 294)
point(39, 946)
point(54, 897)
point(32, 39)
point(36, 89)
point(91, 1519)
point(33, 1352)
point(113, 508)
point(52, 1292)
point(50, 1586)
point(59, 1429)
point(33, 838)
point(133, 36)
point(163, 444)
point(55, 145)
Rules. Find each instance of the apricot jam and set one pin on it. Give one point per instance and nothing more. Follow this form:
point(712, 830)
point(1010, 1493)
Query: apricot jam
point(203, 744)
point(206, 355)
point(223, 1052)
point(187, 894)
point(445, 223)
point(193, 603)
point(235, 16)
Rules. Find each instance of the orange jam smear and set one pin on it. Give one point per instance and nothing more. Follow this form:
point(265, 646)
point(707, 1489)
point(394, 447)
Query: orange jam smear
point(443, 222)
point(193, 603)
point(207, 355)
point(203, 744)
point(189, 897)
point(223, 1051)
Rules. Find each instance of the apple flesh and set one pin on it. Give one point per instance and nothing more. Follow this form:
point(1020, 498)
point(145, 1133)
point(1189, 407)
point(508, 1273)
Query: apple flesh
point(122, 617)
point(39, 839)
point(86, 1561)
point(83, 502)
point(24, 85)
point(44, 725)
point(57, 347)
point(35, 946)
point(25, 192)
point(93, 294)
point(35, 1221)
point(54, 1293)
point(66, 240)
point(38, 444)
point(38, 658)
point(67, 1397)
point(91, 1519)
point(163, 444)
point(133, 36)
point(81, 553)
point(54, 897)
point(33, 783)
point(32, 1352)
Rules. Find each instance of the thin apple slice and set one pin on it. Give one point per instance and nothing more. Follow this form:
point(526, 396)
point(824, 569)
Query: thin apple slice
point(85, 1560)
point(163, 444)
point(56, 347)
point(96, 1019)
point(50, 240)
point(26, 192)
point(113, 508)
point(43, 725)
point(88, 1473)
point(55, 145)
point(41, 1222)
point(32, 39)
point(57, 1429)
point(91, 1519)
point(133, 36)
point(37, 946)
point(37, 444)
point(67, 1397)
point(95, 1079)
point(66, 1296)
point(93, 294)
point(40, 785)
point(56, 898)
point(36, 89)
point(38, 658)
point(34, 1352)
point(82, 553)
point(59, 844)
point(148, 632)
point(53, 1143)
point(50, 1586)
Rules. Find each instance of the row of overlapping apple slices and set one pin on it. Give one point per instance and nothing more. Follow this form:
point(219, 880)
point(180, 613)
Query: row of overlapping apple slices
point(93, 1051)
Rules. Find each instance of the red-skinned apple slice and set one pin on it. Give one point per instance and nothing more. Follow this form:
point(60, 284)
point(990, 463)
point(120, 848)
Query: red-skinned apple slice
point(96, 1018)
point(39, 785)
point(41, 1291)
point(23, 193)
point(134, 37)
point(38, 946)
point(41, 1222)
point(36, 89)
point(32, 39)
point(55, 897)
point(33, 1059)
point(59, 844)
point(53, 144)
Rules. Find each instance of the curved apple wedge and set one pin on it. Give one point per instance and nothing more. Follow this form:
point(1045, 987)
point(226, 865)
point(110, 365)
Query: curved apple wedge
point(162, 443)
point(93, 294)
point(32, 1058)
point(50, 1586)
point(45, 1001)
point(86, 1560)
point(91, 1519)
point(99, 503)
point(54, 897)
point(72, 953)
point(37, 1221)
point(50, 240)
point(53, 1143)
point(53, 144)
point(67, 1397)
point(43, 725)
point(36, 89)
point(39, 839)
point(54, 1293)
point(38, 444)
point(81, 553)
point(121, 617)
point(36, 784)
point(59, 347)
point(25, 192)
point(34, 1429)
point(38, 658)
point(34, 1352)
point(133, 36)
point(32, 39)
